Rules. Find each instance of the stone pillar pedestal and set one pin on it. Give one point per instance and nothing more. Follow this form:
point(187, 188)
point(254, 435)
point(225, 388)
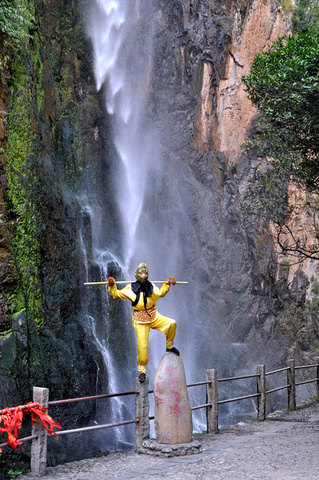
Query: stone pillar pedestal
point(142, 407)
point(173, 415)
point(152, 447)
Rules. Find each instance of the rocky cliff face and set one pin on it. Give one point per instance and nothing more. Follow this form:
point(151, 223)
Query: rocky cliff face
point(202, 50)
point(8, 273)
point(254, 29)
point(49, 115)
point(196, 100)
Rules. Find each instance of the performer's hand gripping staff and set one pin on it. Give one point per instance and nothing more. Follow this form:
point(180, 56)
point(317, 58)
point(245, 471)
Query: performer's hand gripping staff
point(143, 295)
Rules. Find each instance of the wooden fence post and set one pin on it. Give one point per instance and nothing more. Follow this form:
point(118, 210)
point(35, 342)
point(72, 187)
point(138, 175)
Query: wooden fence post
point(39, 445)
point(291, 381)
point(261, 389)
point(142, 408)
point(212, 397)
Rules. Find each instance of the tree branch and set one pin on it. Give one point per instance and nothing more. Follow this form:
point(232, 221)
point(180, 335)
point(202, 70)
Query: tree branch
point(295, 248)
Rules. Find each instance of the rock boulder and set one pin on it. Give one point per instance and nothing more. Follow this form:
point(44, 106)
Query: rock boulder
point(173, 416)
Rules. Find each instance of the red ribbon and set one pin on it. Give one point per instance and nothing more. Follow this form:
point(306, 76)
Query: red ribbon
point(12, 421)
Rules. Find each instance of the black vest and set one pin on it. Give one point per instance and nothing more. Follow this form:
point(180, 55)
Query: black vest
point(145, 288)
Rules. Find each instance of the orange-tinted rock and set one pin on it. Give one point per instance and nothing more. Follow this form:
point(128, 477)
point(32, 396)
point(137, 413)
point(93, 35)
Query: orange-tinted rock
point(173, 416)
point(224, 114)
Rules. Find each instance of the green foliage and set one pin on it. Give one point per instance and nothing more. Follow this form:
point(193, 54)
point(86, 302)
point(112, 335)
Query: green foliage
point(21, 175)
point(285, 263)
point(315, 287)
point(305, 14)
point(14, 473)
point(16, 19)
point(301, 323)
point(29, 136)
point(21, 164)
point(288, 6)
point(284, 84)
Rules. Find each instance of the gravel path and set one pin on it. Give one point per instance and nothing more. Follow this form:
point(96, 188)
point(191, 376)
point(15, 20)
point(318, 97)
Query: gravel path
point(284, 447)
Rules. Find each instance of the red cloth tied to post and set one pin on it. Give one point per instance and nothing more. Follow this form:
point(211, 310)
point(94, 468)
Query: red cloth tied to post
point(12, 421)
point(45, 418)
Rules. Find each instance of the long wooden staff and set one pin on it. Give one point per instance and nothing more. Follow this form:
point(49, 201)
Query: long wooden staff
point(129, 281)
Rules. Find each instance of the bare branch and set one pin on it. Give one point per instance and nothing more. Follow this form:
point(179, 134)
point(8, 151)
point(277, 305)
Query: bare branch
point(295, 248)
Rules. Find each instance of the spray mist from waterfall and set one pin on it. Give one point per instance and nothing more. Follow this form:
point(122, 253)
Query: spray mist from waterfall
point(153, 196)
point(121, 64)
point(151, 185)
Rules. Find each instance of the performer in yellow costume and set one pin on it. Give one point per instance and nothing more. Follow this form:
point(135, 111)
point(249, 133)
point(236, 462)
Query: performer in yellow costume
point(144, 295)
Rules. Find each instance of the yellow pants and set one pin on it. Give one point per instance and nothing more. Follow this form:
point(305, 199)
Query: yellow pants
point(165, 325)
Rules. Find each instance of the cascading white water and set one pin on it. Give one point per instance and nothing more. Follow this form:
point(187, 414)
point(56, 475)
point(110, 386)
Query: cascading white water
point(121, 64)
point(150, 189)
point(163, 207)
point(109, 28)
point(99, 332)
point(153, 192)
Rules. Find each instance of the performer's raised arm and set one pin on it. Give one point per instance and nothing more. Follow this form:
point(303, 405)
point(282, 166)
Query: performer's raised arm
point(161, 292)
point(125, 292)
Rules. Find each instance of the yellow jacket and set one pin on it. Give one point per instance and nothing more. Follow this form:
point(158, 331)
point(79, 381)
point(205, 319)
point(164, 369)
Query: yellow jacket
point(128, 293)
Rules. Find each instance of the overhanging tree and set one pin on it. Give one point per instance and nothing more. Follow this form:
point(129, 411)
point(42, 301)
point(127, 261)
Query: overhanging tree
point(284, 84)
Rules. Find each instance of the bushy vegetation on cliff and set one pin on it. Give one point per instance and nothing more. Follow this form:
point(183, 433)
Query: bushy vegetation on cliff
point(23, 60)
point(284, 84)
point(305, 14)
point(15, 21)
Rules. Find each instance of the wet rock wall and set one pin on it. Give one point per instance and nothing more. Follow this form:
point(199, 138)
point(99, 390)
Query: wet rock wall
point(197, 103)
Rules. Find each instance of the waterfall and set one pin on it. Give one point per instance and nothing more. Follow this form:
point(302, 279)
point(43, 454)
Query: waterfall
point(150, 189)
point(104, 334)
point(152, 195)
point(121, 64)
point(123, 83)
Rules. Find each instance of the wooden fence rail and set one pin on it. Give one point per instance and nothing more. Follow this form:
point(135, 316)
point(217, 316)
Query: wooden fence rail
point(142, 418)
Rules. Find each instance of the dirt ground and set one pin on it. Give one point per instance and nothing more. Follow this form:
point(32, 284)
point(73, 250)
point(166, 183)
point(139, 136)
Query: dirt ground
point(283, 447)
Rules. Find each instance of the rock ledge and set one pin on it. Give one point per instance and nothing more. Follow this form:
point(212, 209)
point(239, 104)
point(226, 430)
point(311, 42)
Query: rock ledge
point(151, 447)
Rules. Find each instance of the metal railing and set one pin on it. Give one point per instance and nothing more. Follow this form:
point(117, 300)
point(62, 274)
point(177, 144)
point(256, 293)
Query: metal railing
point(94, 397)
point(141, 420)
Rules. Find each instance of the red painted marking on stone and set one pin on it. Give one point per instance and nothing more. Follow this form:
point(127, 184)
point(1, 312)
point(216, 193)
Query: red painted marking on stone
point(159, 400)
point(174, 409)
point(174, 397)
point(174, 383)
point(171, 371)
point(160, 388)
